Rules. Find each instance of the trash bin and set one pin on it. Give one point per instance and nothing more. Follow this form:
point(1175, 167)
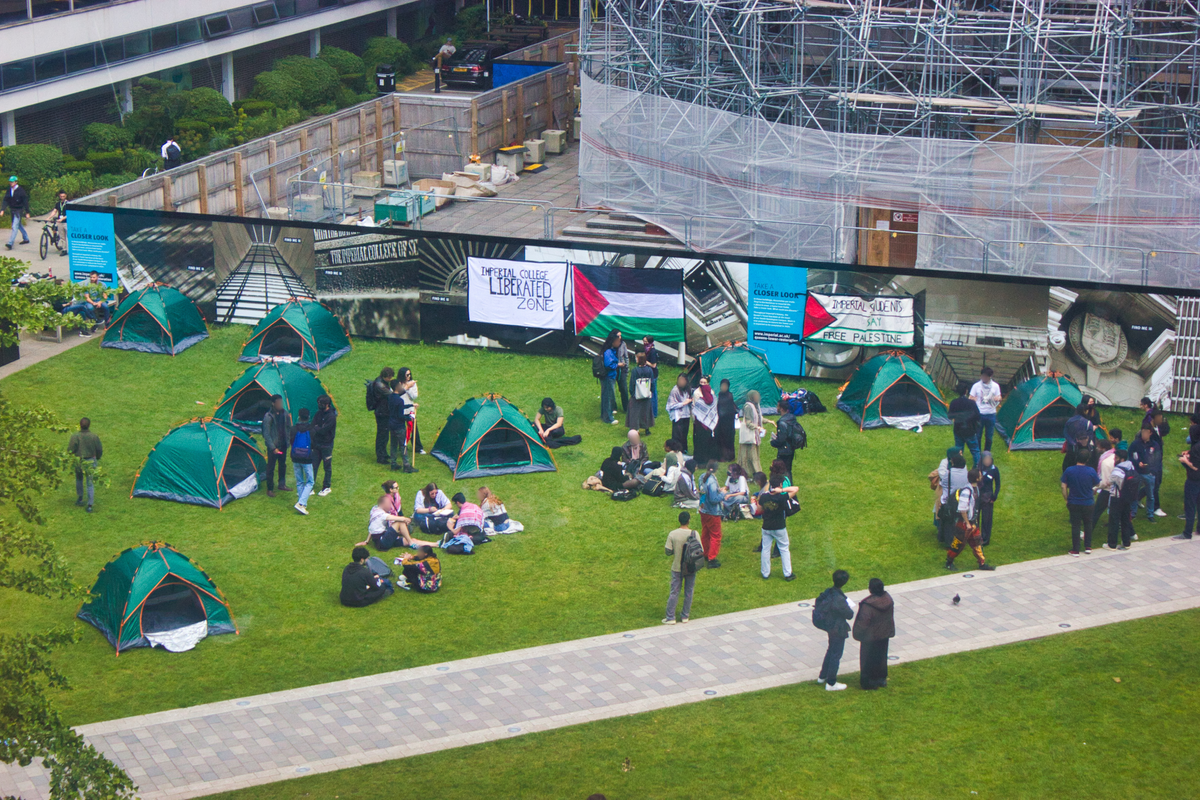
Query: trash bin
point(385, 79)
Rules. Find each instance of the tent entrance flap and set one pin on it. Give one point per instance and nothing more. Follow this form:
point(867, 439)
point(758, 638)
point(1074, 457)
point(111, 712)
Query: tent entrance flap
point(250, 407)
point(503, 446)
point(281, 341)
point(238, 466)
point(172, 605)
point(1051, 420)
point(904, 399)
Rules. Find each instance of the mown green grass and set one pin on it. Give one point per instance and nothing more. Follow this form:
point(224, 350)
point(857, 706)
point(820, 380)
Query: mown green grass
point(1029, 720)
point(585, 565)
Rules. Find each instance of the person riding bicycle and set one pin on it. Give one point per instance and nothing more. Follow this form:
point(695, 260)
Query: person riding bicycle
point(59, 217)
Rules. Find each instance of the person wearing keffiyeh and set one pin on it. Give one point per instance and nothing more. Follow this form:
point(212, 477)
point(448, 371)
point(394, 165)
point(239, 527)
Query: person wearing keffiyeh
point(704, 414)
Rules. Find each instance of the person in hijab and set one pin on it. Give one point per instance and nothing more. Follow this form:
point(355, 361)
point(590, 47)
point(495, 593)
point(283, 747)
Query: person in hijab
point(750, 434)
point(873, 627)
point(727, 411)
point(612, 471)
point(704, 416)
point(634, 448)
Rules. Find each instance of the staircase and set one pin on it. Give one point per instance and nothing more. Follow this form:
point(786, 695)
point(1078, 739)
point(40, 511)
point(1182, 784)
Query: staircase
point(607, 228)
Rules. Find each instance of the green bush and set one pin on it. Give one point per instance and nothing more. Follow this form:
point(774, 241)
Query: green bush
point(108, 161)
point(103, 137)
point(343, 61)
point(319, 79)
point(471, 23)
point(386, 50)
point(109, 180)
point(278, 88)
point(44, 194)
point(32, 162)
point(325, 109)
point(345, 97)
point(207, 104)
point(260, 126)
point(72, 165)
point(139, 159)
point(254, 108)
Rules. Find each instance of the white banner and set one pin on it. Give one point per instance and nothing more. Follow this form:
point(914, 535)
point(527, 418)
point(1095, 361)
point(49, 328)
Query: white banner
point(867, 321)
point(527, 294)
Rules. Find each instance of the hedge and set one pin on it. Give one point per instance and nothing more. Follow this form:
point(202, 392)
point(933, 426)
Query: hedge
point(32, 162)
point(279, 88)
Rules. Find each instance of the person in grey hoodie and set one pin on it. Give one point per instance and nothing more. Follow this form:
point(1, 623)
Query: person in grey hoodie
point(277, 436)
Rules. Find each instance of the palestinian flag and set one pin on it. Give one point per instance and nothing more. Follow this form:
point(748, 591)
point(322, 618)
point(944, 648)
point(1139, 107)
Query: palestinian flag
point(637, 302)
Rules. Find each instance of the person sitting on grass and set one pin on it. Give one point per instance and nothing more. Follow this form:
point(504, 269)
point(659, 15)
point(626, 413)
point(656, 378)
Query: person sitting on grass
point(612, 472)
point(386, 530)
point(431, 507)
point(420, 571)
point(668, 470)
point(468, 517)
point(549, 424)
point(685, 493)
point(360, 585)
point(737, 490)
point(495, 515)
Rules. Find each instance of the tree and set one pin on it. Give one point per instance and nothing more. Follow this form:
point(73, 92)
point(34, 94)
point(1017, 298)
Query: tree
point(30, 464)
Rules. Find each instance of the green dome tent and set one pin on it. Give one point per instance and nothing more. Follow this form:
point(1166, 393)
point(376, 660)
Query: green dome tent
point(156, 319)
point(892, 386)
point(1034, 414)
point(298, 329)
point(490, 436)
point(150, 592)
point(745, 369)
point(249, 397)
point(205, 462)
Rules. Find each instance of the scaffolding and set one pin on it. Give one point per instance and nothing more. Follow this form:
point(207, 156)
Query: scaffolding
point(1052, 138)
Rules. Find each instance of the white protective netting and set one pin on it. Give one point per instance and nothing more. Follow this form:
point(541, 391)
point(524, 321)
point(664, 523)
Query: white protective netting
point(724, 182)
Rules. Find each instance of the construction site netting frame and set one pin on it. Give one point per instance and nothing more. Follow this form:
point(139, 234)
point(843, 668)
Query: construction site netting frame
point(1049, 139)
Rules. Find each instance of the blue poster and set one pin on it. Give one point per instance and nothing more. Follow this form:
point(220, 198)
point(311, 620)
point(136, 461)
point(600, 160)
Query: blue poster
point(775, 324)
point(92, 247)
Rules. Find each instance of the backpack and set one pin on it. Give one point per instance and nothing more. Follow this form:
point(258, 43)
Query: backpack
point(302, 446)
point(428, 581)
point(653, 486)
point(372, 398)
point(642, 389)
point(599, 370)
point(693, 558)
point(822, 617)
point(1130, 486)
point(799, 439)
point(623, 494)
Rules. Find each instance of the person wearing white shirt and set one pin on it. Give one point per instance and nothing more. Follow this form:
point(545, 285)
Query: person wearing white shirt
point(679, 410)
point(986, 394)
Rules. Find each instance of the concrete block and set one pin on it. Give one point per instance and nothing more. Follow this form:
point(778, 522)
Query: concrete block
point(535, 150)
point(556, 142)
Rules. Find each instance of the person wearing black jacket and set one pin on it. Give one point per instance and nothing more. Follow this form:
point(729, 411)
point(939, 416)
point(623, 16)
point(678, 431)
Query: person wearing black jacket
point(788, 434)
point(1146, 455)
point(277, 436)
point(397, 405)
point(1161, 428)
point(16, 203)
point(839, 610)
point(989, 493)
point(873, 627)
point(965, 413)
point(324, 429)
point(360, 585)
point(380, 389)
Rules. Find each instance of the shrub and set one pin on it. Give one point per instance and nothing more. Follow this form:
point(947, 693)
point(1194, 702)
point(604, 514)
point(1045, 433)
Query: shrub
point(343, 61)
point(44, 194)
point(471, 23)
point(260, 126)
point(103, 137)
point(110, 161)
point(207, 104)
point(386, 50)
point(344, 97)
point(355, 81)
point(318, 79)
point(108, 180)
point(254, 108)
point(72, 165)
point(32, 162)
point(139, 159)
point(278, 88)
point(325, 109)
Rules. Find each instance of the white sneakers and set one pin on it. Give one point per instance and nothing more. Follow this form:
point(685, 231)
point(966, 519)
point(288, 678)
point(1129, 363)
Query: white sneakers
point(1160, 513)
point(669, 621)
point(836, 687)
point(324, 492)
point(301, 509)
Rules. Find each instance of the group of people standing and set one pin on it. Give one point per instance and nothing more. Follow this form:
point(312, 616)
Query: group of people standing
point(636, 382)
point(393, 398)
point(308, 442)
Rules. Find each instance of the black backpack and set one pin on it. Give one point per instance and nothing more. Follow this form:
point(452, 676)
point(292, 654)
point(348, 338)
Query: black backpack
point(821, 617)
point(693, 558)
point(599, 370)
point(1130, 487)
point(372, 398)
point(799, 437)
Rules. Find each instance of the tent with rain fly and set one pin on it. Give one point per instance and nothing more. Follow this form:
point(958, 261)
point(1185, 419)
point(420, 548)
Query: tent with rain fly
point(745, 369)
point(154, 595)
point(892, 389)
point(1034, 414)
point(299, 330)
point(206, 462)
point(249, 397)
point(156, 319)
point(490, 436)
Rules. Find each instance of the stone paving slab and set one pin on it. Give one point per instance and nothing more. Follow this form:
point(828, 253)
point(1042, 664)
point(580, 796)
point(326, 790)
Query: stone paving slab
point(191, 752)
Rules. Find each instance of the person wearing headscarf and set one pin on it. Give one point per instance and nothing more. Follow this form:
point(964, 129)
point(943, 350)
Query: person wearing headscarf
point(750, 434)
point(727, 411)
point(704, 415)
point(612, 471)
point(873, 627)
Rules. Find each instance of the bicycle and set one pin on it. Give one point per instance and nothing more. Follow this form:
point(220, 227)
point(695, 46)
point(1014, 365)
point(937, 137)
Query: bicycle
point(49, 237)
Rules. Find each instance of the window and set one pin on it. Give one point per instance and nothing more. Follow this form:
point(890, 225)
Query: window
point(217, 25)
point(49, 66)
point(18, 73)
point(164, 38)
point(42, 8)
point(265, 13)
point(137, 44)
point(189, 31)
point(81, 58)
point(113, 50)
point(286, 8)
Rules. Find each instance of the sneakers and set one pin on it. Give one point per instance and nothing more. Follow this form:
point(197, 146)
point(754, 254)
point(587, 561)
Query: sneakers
point(89, 509)
point(85, 333)
point(615, 422)
point(1106, 546)
point(766, 577)
point(270, 492)
point(834, 687)
point(1182, 536)
point(1122, 548)
point(950, 565)
point(301, 509)
point(411, 470)
point(669, 621)
point(987, 568)
point(1133, 538)
point(420, 452)
point(791, 577)
point(1073, 553)
point(683, 621)
point(1160, 513)
point(79, 502)
point(1087, 551)
point(713, 563)
point(324, 492)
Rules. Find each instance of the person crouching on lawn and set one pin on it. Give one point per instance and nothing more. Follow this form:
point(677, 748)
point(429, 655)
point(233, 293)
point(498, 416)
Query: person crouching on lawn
point(966, 531)
point(360, 585)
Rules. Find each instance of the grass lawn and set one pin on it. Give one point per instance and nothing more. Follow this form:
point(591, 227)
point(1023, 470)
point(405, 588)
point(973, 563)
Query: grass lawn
point(1036, 719)
point(585, 565)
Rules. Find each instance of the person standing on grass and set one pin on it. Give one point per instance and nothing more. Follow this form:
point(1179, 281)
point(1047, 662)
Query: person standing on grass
point(789, 435)
point(398, 428)
point(989, 493)
point(277, 436)
point(830, 612)
point(652, 361)
point(711, 508)
point(608, 383)
point(380, 389)
point(86, 446)
point(676, 541)
point(1145, 454)
point(622, 351)
point(1161, 428)
point(679, 411)
point(1191, 485)
point(1078, 489)
point(1122, 502)
point(966, 531)
point(324, 429)
point(774, 503)
point(302, 461)
point(639, 409)
point(873, 627)
point(727, 412)
point(750, 433)
point(951, 476)
point(965, 414)
point(1104, 468)
point(1080, 434)
point(987, 396)
point(704, 423)
point(413, 434)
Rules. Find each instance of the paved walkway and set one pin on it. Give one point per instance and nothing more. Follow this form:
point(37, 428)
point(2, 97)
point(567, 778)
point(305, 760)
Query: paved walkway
point(238, 743)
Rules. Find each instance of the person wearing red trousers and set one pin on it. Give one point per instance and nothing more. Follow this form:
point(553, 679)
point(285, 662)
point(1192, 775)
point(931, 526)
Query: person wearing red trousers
point(711, 509)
